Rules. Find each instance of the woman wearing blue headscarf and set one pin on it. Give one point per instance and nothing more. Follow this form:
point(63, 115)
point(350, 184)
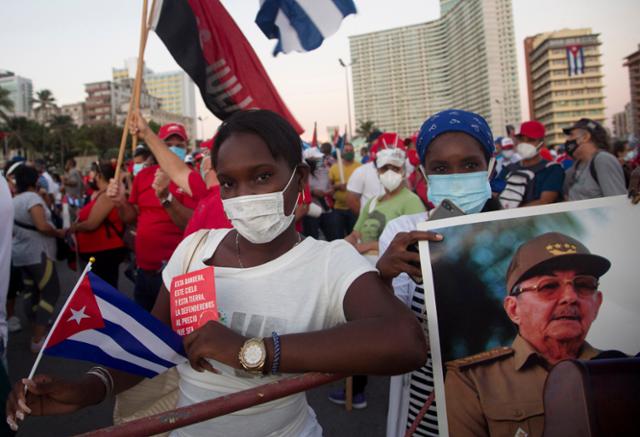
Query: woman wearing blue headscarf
point(455, 149)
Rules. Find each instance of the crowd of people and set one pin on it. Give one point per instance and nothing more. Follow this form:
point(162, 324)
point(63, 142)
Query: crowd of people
point(258, 206)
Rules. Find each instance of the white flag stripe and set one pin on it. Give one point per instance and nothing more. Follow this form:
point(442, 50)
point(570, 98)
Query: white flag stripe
point(288, 35)
point(139, 331)
point(325, 15)
point(113, 349)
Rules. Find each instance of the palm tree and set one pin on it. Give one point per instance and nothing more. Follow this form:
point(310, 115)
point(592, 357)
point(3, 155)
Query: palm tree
point(365, 128)
point(6, 104)
point(61, 128)
point(45, 103)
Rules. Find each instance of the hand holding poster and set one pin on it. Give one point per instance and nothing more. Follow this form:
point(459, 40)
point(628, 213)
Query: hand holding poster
point(511, 293)
point(193, 300)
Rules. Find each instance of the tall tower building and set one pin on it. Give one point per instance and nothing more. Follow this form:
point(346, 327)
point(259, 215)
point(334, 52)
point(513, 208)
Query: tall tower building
point(564, 78)
point(174, 89)
point(466, 59)
point(20, 92)
point(633, 63)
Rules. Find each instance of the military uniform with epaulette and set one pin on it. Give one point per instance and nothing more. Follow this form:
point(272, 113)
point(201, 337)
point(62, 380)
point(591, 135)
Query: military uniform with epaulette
point(499, 392)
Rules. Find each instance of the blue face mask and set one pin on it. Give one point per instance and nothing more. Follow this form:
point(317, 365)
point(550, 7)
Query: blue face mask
point(180, 152)
point(137, 167)
point(469, 191)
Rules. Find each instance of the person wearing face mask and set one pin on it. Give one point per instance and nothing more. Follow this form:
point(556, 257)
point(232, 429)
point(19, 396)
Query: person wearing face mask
point(201, 185)
point(159, 208)
point(99, 230)
point(396, 201)
point(455, 148)
point(507, 156)
point(595, 172)
point(342, 218)
point(140, 157)
point(280, 313)
point(320, 189)
point(533, 180)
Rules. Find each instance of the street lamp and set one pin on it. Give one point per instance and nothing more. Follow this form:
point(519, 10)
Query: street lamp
point(346, 79)
point(201, 130)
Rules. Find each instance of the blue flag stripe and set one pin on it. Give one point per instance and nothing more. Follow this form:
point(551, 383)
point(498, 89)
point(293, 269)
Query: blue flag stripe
point(131, 344)
point(308, 34)
point(87, 352)
point(346, 7)
point(108, 293)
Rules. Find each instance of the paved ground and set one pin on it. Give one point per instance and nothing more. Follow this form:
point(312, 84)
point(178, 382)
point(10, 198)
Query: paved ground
point(334, 419)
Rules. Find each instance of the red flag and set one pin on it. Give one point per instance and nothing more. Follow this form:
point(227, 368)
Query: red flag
point(206, 42)
point(81, 313)
point(314, 140)
point(336, 137)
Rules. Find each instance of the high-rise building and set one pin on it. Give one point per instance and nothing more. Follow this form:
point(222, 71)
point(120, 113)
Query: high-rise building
point(466, 59)
point(108, 102)
point(75, 111)
point(633, 63)
point(564, 78)
point(20, 92)
point(622, 123)
point(174, 89)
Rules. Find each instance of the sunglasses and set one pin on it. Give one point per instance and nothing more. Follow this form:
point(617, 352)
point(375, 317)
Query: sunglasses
point(584, 286)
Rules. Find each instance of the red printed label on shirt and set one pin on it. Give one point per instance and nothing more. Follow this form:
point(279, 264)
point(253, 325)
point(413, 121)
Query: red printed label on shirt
point(193, 300)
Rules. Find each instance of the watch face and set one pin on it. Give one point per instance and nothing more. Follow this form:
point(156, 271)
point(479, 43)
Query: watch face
point(253, 354)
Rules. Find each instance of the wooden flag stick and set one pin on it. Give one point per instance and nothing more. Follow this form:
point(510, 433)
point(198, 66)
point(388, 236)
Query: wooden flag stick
point(144, 31)
point(137, 85)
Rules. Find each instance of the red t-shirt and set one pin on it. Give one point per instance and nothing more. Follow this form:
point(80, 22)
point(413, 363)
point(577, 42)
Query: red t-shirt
point(156, 234)
point(104, 237)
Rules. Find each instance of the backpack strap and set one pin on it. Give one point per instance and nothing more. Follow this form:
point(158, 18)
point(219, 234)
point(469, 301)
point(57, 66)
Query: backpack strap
point(25, 225)
point(592, 168)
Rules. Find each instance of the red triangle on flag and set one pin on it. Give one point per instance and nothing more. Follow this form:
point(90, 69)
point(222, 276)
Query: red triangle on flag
point(81, 313)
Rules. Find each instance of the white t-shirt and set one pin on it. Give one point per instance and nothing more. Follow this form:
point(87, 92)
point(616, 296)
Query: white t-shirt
point(300, 291)
point(403, 285)
point(6, 217)
point(365, 182)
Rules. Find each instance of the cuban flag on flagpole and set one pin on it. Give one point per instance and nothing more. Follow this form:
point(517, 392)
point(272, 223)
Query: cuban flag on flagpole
point(301, 25)
point(575, 60)
point(100, 324)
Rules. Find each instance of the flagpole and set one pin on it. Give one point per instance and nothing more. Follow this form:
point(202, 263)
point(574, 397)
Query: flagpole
point(340, 167)
point(144, 31)
point(137, 87)
point(55, 324)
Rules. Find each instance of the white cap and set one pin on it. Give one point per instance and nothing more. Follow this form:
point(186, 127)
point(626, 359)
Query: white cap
point(506, 141)
point(390, 156)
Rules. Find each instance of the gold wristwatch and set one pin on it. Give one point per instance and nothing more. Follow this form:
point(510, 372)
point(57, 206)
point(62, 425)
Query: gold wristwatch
point(253, 355)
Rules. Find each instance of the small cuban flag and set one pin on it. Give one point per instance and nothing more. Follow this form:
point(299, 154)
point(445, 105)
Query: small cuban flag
point(301, 25)
point(575, 60)
point(100, 324)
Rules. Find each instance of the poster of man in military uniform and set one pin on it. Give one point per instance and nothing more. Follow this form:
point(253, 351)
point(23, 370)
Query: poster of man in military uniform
point(512, 293)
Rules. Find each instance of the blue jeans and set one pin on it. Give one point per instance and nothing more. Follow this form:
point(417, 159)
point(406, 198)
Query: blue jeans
point(148, 283)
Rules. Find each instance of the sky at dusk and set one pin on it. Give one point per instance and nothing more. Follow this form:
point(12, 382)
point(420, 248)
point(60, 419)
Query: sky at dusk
point(63, 44)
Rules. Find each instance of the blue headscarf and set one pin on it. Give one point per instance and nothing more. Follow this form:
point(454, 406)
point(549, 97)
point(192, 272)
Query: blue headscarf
point(455, 120)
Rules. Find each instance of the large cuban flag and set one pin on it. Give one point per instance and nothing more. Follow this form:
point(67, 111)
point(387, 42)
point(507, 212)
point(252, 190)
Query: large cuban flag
point(575, 60)
point(301, 25)
point(101, 325)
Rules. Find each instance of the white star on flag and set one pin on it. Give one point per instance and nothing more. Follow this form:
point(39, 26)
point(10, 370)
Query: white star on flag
point(78, 315)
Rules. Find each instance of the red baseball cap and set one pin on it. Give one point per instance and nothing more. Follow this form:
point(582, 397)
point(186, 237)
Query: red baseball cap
point(532, 129)
point(172, 129)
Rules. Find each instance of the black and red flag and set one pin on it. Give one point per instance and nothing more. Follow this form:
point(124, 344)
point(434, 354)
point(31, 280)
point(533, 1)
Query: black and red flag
point(208, 45)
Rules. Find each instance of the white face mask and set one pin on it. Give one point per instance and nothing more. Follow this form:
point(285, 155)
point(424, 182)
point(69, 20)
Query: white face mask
point(527, 150)
point(259, 218)
point(391, 180)
point(508, 154)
